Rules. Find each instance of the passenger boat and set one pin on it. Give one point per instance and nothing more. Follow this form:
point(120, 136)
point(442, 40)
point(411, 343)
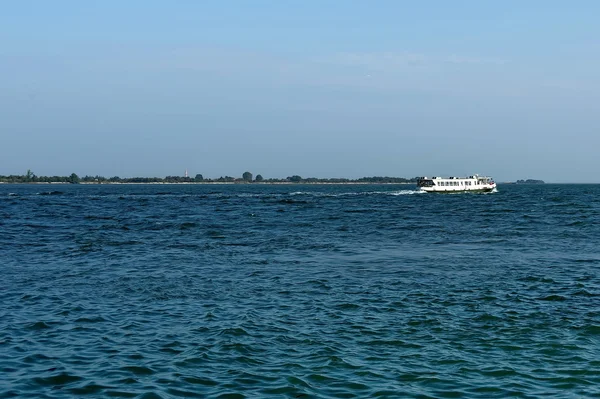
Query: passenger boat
point(473, 183)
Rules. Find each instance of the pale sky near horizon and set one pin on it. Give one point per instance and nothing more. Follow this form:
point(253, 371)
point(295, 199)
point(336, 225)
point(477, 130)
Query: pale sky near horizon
point(318, 88)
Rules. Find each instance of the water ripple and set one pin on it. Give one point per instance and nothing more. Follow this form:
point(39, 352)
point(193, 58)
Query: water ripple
point(283, 291)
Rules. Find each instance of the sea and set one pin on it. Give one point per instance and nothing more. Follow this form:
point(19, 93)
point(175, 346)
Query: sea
point(299, 291)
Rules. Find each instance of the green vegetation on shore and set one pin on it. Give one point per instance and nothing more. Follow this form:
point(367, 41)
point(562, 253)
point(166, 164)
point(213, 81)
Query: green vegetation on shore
point(529, 181)
point(246, 177)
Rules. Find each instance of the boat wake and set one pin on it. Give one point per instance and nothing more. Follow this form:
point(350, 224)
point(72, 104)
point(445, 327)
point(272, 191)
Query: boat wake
point(406, 192)
point(354, 193)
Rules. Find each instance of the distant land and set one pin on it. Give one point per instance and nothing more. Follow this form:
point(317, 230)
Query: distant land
point(246, 178)
point(530, 181)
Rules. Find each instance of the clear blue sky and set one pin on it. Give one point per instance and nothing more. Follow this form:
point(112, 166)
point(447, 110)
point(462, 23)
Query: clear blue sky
point(317, 88)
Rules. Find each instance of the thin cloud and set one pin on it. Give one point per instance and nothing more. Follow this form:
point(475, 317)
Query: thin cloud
point(391, 60)
point(378, 60)
point(458, 59)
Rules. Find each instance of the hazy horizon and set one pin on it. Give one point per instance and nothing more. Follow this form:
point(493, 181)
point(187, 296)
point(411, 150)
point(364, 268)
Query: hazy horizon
point(313, 88)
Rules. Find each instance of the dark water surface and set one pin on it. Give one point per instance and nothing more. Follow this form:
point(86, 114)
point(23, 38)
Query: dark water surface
point(299, 291)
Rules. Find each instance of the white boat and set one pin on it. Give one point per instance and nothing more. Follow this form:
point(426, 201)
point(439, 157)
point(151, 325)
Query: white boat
point(473, 183)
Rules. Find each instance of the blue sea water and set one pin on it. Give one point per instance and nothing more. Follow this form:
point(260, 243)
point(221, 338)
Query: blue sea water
point(299, 291)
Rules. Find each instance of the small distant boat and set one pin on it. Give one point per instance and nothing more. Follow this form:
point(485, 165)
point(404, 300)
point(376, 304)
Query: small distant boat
point(473, 183)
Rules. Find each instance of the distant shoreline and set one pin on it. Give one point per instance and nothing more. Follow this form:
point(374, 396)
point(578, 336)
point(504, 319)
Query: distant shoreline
point(208, 183)
point(266, 183)
point(246, 178)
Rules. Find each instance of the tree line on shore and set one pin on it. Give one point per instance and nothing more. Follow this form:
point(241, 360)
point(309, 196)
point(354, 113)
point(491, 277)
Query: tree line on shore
point(530, 181)
point(246, 177)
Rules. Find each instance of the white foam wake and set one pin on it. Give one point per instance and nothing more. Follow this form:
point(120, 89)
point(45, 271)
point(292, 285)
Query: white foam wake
point(406, 192)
